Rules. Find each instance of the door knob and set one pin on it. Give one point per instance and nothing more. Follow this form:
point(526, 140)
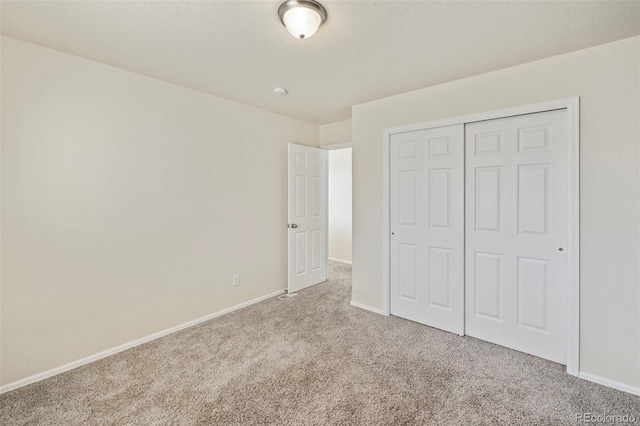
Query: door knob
point(293, 225)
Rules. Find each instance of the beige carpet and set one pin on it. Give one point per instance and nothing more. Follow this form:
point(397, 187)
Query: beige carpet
point(313, 359)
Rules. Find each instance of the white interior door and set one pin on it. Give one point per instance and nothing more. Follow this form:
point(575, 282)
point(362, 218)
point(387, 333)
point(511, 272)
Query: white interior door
point(307, 217)
point(427, 227)
point(516, 231)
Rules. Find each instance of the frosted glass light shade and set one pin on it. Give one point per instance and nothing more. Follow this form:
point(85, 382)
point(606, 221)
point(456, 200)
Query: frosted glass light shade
point(301, 22)
point(302, 17)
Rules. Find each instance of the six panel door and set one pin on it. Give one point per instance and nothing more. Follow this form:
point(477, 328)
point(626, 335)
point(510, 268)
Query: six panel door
point(516, 231)
point(427, 224)
point(479, 223)
point(307, 217)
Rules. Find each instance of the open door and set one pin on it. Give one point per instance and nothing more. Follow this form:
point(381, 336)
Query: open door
point(307, 217)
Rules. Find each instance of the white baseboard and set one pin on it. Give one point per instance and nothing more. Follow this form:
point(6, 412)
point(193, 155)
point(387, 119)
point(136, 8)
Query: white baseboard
point(367, 308)
point(348, 262)
point(91, 358)
point(610, 383)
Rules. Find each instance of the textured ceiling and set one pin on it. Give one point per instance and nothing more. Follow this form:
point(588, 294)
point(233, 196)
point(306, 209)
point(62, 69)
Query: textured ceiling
point(366, 50)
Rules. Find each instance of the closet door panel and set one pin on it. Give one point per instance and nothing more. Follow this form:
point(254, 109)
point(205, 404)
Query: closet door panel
point(427, 226)
point(516, 225)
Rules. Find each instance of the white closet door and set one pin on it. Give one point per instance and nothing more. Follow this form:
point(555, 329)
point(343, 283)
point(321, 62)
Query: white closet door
point(427, 225)
point(516, 232)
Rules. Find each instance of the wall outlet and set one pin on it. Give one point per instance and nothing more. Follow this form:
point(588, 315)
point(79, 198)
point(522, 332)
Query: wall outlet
point(236, 280)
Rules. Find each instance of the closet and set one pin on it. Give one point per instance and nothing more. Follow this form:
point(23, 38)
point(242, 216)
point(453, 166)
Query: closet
point(479, 225)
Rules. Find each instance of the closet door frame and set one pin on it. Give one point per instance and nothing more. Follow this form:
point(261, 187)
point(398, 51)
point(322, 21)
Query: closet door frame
point(572, 106)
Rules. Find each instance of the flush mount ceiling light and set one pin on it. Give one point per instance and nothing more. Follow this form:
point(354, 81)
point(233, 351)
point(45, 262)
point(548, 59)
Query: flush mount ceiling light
point(302, 17)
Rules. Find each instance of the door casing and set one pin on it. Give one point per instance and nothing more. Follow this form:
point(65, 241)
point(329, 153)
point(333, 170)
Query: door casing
point(572, 106)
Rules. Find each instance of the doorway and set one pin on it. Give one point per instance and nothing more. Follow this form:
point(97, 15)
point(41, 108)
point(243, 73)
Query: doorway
point(339, 205)
point(319, 212)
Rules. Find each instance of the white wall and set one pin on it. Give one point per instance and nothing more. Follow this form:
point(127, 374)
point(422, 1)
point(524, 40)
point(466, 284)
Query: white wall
point(340, 204)
point(607, 79)
point(335, 133)
point(128, 204)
